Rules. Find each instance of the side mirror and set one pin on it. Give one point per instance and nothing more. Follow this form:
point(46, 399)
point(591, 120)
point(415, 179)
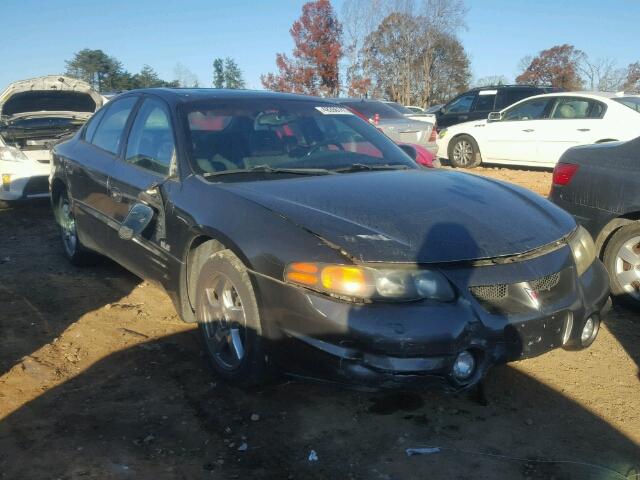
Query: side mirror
point(494, 117)
point(409, 150)
point(138, 218)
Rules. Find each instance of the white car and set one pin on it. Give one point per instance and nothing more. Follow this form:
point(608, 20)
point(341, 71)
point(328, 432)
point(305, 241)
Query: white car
point(536, 131)
point(35, 114)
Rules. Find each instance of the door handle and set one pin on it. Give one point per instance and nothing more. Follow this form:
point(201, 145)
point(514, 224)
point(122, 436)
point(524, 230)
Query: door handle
point(464, 117)
point(584, 129)
point(116, 195)
point(528, 130)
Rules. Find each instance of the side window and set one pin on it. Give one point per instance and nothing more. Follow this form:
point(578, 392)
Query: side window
point(151, 145)
point(109, 133)
point(486, 100)
point(577, 108)
point(461, 104)
point(528, 110)
point(93, 123)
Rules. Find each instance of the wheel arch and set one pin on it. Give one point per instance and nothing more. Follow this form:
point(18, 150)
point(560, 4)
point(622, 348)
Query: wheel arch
point(612, 227)
point(203, 243)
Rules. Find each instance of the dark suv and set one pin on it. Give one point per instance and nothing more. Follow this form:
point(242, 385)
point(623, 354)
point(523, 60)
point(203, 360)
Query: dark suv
point(477, 103)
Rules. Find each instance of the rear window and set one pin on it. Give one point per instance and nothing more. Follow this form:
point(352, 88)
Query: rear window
point(631, 102)
point(370, 108)
point(48, 101)
point(400, 108)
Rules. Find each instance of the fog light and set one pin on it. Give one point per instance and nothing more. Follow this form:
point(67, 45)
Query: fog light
point(6, 182)
point(464, 366)
point(589, 331)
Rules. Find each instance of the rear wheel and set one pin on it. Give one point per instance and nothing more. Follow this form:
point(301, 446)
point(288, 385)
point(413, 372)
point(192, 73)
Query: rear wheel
point(227, 312)
point(622, 259)
point(75, 252)
point(464, 152)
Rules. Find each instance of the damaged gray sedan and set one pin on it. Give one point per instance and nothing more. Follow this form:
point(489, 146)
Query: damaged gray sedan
point(302, 239)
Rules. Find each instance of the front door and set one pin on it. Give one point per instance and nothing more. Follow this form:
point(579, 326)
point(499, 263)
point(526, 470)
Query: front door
point(516, 137)
point(143, 175)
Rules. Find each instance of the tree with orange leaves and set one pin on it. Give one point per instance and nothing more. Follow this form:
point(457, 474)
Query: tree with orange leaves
point(318, 48)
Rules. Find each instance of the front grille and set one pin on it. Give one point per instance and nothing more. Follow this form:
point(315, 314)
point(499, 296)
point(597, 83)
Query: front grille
point(490, 292)
point(545, 283)
point(517, 297)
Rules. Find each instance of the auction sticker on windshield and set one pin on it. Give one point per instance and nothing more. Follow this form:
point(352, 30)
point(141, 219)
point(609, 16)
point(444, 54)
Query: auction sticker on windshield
point(334, 111)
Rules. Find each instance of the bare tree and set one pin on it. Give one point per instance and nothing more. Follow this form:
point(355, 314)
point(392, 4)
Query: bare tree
point(185, 77)
point(491, 80)
point(632, 81)
point(602, 74)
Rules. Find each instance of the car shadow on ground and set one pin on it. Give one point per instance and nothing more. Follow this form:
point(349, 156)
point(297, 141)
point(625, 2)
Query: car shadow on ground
point(156, 411)
point(623, 324)
point(41, 294)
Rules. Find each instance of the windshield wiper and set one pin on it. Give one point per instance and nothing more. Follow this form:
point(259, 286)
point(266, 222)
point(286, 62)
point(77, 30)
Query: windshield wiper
point(268, 169)
point(358, 167)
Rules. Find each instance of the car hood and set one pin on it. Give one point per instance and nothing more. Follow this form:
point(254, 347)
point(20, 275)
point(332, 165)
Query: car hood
point(28, 98)
point(414, 216)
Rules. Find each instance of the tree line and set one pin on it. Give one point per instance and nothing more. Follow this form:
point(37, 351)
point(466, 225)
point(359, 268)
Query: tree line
point(105, 73)
point(407, 51)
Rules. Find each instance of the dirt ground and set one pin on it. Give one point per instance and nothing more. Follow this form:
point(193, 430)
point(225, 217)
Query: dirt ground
point(99, 379)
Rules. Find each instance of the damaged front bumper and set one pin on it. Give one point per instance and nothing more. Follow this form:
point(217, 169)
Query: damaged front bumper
point(502, 313)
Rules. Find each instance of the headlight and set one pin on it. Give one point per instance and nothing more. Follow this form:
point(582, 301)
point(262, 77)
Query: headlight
point(12, 154)
point(583, 248)
point(442, 133)
point(356, 282)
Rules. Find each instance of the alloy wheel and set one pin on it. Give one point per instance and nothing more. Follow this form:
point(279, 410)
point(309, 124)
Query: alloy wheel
point(224, 322)
point(627, 267)
point(68, 228)
point(463, 152)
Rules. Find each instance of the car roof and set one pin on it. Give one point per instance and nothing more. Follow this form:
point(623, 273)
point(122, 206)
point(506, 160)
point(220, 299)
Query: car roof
point(185, 95)
point(586, 94)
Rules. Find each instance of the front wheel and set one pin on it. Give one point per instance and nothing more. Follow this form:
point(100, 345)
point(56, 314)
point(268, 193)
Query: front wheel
point(75, 252)
point(622, 259)
point(229, 319)
point(464, 152)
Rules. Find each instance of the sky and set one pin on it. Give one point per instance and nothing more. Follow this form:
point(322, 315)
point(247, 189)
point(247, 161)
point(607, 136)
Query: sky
point(39, 35)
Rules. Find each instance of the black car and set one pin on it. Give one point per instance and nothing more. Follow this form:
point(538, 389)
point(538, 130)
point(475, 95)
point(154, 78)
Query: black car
point(477, 103)
point(600, 186)
point(300, 237)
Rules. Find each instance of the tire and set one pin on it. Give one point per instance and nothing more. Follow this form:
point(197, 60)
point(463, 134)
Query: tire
point(229, 320)
point(622, 259)
point(4, 205)
point(75, 252)
point(464, 152)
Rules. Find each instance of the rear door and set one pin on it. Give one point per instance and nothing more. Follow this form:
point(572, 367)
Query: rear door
point(145, 173)
point(88, 174)
point(572, 121)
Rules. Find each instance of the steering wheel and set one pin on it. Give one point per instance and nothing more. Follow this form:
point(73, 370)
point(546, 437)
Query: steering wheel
point(326, 143)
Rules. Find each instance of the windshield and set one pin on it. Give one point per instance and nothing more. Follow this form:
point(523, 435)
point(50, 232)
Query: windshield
point(263, 135)
point(631, 102)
